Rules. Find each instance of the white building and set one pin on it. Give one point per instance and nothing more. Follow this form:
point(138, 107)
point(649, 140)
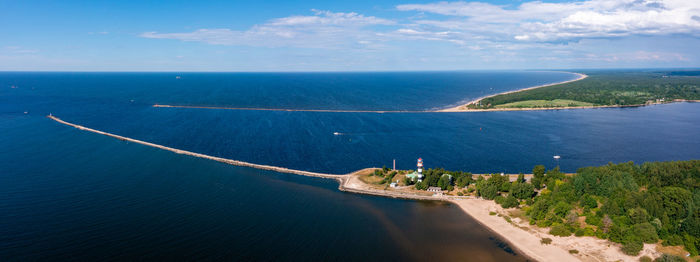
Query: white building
point(435, 189)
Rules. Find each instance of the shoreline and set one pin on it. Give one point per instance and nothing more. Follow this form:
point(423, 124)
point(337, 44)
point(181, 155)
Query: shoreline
point(571, 107)
point(527, 243)
point(463, 107)
point(456, 109)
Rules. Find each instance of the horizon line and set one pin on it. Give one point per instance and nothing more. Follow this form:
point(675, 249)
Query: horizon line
point(353, 71)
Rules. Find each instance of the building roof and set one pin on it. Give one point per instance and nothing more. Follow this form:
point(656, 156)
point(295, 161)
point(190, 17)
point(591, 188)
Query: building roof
point(414, 175)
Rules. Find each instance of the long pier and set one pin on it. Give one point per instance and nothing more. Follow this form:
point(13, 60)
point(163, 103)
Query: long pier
point(342, 179)
point(293, 110)
point(218, 159)
point(347, 182)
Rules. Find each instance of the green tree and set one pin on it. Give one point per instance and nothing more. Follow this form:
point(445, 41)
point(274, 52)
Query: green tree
point(464, 180)
point(510, 201)
point(488, 191)
point(674, 202)
point(638, 215)
point(444, 182)
point(645, 232)
point(589, 201)
point(669, 258)
point(560, 230)
point(632, 247)
point(505, 187)
point(538, 176)
point(522, 190)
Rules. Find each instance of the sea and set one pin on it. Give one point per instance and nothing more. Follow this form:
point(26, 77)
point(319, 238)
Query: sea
point(67, 194)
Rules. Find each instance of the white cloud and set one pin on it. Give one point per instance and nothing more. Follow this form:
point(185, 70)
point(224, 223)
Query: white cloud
point(539, 21)
point(637, 56)
point(588, 32)
point(19, 50)
point(324, 29)
point(322, 17)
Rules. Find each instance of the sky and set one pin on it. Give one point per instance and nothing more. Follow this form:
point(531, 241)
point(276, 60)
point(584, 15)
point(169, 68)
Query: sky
point(359, 35)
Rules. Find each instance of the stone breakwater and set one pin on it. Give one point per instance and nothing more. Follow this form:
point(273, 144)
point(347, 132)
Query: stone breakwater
point(291, 110)
point(347, 182)
point(218, 159)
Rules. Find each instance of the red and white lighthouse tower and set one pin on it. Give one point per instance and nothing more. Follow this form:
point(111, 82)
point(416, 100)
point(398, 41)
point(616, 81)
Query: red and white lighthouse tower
point(420, 166)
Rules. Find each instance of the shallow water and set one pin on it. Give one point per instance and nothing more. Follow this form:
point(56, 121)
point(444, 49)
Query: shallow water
point(65, 193)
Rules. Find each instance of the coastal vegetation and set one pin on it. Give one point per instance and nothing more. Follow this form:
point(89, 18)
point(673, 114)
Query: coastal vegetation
point(544, 103)
point(604, 88)
point(444, 179)
point(624, 203)
point(655, 202)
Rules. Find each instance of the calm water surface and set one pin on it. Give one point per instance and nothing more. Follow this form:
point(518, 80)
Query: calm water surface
point(66, 194)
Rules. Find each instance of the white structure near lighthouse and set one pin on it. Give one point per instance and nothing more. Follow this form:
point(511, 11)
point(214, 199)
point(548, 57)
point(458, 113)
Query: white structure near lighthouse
point(418, 174)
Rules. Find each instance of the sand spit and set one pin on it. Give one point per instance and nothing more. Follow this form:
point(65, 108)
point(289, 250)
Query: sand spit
point(463, 108)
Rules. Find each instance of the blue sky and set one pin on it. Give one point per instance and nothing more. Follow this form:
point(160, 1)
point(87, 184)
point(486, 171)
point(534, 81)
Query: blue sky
point(347, 36)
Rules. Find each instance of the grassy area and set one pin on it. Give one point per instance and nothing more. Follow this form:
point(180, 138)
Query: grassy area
point(544, 103)
point(607, 87)
point(371, 179)
point(676, 251)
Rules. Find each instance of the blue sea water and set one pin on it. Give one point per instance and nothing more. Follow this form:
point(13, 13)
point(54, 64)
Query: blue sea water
point(68, 194)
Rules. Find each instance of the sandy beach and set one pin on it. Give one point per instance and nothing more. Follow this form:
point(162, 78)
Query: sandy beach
point(521, 236)
point(463, 108)
point(526, 238)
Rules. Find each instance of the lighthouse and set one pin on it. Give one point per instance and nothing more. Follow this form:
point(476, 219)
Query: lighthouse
point(418, 174)
point(419, 169)
point(420, 166)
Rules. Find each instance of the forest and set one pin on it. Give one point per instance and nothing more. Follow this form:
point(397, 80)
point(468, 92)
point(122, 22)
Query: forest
point(610, 87)
point(624, 203)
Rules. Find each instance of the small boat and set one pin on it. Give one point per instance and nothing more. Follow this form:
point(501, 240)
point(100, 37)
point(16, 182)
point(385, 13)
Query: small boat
point(336, 133)
point(25, 112)
point(177, 77)
point(557, 157)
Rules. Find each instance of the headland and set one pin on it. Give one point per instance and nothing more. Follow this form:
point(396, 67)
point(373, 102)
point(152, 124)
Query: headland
point(464, 107)
point(596, 89)
point(502, 221)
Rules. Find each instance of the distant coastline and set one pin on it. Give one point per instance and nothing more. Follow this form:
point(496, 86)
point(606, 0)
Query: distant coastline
point(565, 107)
point(616, 89)
point(469, 106)
point(463, 108)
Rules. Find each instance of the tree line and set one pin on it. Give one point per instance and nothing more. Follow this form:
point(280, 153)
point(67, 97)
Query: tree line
point(623, 203)
point(610, 88)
